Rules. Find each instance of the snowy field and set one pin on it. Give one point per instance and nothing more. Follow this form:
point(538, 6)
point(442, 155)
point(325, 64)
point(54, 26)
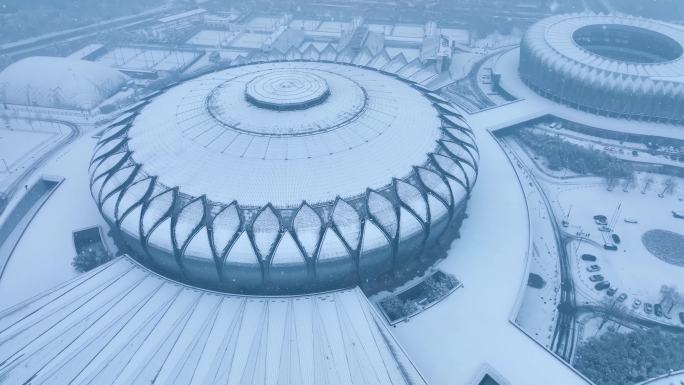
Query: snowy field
point(211, 37)
point(132, 58)
point(632, 268)
point(461, 36)
point(304, 24)
point(408, 30)
point(637, 208)
point(20, 141)
point(23, 142)
point(250, 40)
point(263, 23)
point(333, 26)
point(538, 310)
point(44, 253)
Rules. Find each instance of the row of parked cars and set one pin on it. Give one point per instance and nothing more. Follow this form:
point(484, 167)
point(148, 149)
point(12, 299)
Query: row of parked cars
point(599, 281)
point(602, 284)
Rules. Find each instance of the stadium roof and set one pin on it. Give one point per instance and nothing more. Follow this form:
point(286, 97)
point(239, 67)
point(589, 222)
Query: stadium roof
point(57, 82)
point(122, 324)
point(555, 37)
point(209, 139)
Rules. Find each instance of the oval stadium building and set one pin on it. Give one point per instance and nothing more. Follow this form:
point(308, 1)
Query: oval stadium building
point(618, 66)
point(286, 177)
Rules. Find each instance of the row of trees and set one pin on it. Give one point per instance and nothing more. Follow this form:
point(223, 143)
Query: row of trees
point(431, 289)
point(90, 258)
point(628, 358)
point(562, 154)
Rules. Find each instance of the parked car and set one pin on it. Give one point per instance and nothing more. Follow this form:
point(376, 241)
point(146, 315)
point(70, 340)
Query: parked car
point(636, 304)
point(600, 219)
point(648, 308)
point(681, 317)
point(622, 297)
point(588, 257)
point(658, 310)
point(596, 278)
point(610, 246)
point(602, 285)
point(593, 268)
point(611, 292)
point(616, 238)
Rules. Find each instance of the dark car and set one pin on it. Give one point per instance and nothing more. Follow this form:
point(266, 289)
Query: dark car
point(593, 268)
point(658, 310)
point(681, 317)
point(596, 278)
point(600, 219)
point(602, 285)
point(589, 257)
point(616, 238)
point(609, 246)
point(611, 292)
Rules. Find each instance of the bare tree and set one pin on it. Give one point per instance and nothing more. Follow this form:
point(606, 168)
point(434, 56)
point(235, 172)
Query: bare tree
point(614, 310)
point(669, 297)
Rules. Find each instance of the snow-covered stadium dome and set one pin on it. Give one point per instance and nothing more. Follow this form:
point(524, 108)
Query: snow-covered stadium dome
point(615, 65)
point(289, 176)
point(58, 82)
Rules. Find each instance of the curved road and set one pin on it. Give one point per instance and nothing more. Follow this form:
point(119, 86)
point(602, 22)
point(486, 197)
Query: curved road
point(11, 189)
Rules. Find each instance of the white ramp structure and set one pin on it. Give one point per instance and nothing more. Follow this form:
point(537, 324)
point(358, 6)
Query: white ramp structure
point(123, 324)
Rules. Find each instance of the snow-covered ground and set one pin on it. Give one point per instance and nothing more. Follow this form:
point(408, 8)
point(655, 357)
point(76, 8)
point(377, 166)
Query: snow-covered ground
point(250, 40)
point(42, 258)
point(20, 140)
point(460, 36)
point(632, 268)
point(264, 23)
point(537, 312)
point(333, 26)
point(471, 328)
point(408, 30)
point(23, 142)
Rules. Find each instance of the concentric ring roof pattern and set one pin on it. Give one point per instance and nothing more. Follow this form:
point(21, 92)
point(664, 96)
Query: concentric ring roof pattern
point(555, 64)
point(209, 186)
point(287, 89)
point(360, 137)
